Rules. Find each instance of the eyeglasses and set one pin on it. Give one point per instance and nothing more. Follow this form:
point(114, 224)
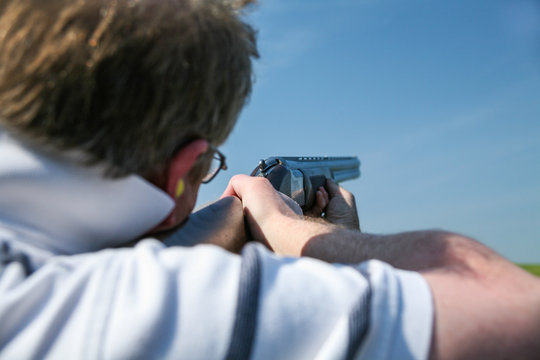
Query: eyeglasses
point(218, 163)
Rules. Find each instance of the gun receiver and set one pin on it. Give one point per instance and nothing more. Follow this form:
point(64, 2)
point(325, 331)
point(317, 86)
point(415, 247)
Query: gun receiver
point(300, 177)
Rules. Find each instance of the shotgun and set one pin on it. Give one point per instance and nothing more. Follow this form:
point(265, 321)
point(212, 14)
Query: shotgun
point(299, 177)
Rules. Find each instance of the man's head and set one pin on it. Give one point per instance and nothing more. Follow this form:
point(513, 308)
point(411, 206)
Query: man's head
point(128, 81)
point(140, 86)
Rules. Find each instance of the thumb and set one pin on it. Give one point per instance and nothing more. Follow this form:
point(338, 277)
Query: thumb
point(336, 191)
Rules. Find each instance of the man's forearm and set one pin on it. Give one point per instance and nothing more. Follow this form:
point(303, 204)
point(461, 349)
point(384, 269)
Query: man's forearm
point(417, 250)
point(274, 221)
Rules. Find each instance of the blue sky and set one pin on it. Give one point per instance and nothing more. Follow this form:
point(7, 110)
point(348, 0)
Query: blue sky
point(439, 100)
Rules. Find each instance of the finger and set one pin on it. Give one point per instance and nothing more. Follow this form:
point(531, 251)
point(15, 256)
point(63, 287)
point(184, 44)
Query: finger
point(333, 188)
point(320, 204)
point(230, 189)
point(325, 196)
point(337, 191)
point(314, 211)
point(239, 184)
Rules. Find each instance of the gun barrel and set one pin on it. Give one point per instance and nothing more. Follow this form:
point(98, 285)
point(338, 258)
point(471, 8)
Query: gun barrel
point(346, 174)
point(342, 168)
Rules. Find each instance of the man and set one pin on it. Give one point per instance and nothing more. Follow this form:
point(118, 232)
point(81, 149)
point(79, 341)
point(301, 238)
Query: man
point(110, 114)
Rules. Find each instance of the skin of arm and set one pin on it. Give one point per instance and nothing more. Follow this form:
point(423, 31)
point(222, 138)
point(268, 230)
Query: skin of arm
point(485, 307)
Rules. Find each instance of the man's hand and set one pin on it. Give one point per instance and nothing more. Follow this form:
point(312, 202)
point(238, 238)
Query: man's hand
point(341, 209)
point(336, 205)
point(264, 207)
point(321, 202)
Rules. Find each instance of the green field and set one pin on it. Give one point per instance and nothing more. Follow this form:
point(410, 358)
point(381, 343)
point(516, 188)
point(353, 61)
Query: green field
point(533, 269)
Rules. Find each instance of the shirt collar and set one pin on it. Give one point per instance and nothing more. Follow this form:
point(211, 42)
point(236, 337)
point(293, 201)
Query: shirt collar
point(64, 208)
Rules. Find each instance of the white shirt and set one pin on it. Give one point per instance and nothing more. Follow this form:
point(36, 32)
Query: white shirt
point(65, 294)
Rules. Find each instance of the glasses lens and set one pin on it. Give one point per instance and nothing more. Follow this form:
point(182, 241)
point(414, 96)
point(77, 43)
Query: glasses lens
point(215, 166)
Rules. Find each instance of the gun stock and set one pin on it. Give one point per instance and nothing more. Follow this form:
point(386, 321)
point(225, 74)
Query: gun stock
point(219, 223)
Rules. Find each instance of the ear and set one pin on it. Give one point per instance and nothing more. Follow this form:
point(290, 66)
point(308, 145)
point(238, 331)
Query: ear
point(182, 163)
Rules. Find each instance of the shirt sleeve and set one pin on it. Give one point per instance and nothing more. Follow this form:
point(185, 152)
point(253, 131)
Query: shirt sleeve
point(205, 303)
point(308, 309)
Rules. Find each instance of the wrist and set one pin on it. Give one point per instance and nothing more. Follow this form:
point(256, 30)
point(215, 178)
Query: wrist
point(289, 235)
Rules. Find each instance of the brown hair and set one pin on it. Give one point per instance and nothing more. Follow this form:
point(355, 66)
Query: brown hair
point(126, 81)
